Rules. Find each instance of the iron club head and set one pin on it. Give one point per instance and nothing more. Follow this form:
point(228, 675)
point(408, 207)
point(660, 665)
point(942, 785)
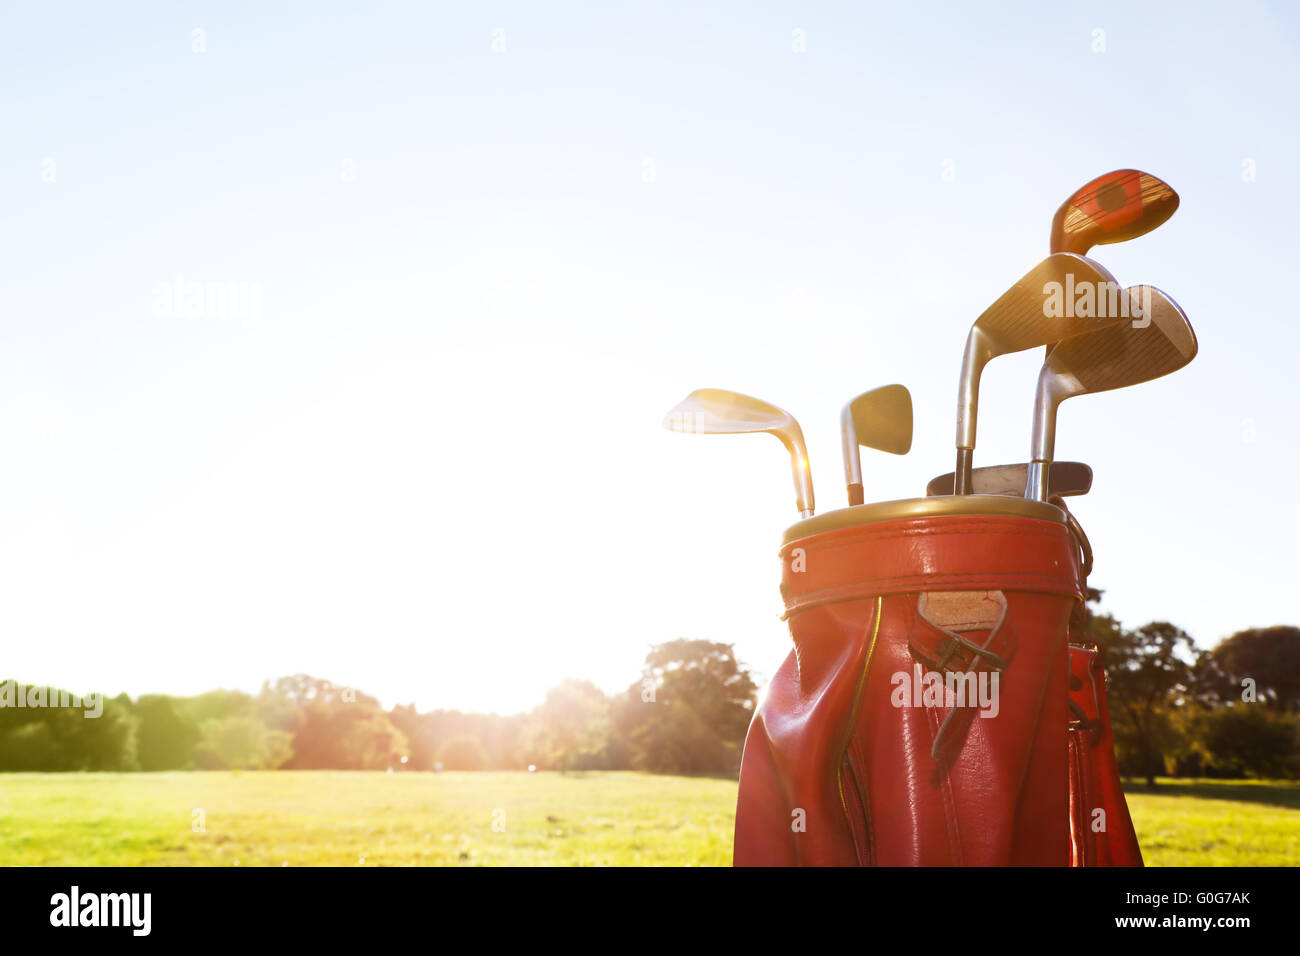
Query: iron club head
point(879, 419)
point(1064, 295)
point(1116, 357)
point(716, 411)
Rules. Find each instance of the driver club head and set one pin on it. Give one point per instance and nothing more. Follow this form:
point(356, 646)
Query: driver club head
point(1112, 358)
point(716, 411)
point(1063, 296)
point(879, 419)
point(1114, 207)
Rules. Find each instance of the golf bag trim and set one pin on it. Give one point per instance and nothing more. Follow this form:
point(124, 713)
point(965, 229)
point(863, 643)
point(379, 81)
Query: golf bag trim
point(853, 719)
point(878, 512)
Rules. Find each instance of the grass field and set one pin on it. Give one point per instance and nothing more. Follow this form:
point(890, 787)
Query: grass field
point(612, 819)
point(1217, 823)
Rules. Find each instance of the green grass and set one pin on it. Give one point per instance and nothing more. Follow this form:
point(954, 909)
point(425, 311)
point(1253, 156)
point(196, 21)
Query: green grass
point(349, 819)
point(416, 819)
point(1216, 822)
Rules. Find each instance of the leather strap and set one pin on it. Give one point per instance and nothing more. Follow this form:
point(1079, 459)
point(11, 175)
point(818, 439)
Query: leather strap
point(945, 650)
point(1085, 701)
point(1085, 546)
point(940, 647)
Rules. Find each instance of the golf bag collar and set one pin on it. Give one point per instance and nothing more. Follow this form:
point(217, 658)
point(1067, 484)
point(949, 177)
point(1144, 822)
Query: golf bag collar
point(972, 552)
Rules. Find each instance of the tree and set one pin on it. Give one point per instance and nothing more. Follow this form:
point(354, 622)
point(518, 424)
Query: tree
point(1246, 739)
point(418, 731)
point(214, 705)
point(1148, 672)
point(1207, 684)
point(1268, 655)
point(571, 727)
point(241, 743)
point(462, 753)
point(103, 743)
point(338, 728)
point(164, 739)
point(28, 746)
point(690, 711)
point(54, 730)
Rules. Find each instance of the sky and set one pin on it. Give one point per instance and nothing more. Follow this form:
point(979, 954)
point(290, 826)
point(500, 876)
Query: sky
point(335, 338)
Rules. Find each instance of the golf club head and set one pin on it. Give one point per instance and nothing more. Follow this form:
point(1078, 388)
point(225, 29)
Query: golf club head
point(1063, 296)
point(716, 411)
point(1116, 357)
point(879, 419)
point(1120, 205)
point(1067, 479)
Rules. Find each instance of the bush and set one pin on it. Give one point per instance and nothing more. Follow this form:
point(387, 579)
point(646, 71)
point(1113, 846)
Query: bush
point(1248, 740)
point(241, 743)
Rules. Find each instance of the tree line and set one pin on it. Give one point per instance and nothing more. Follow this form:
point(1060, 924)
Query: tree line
point(1229, 711)
point(687, 714)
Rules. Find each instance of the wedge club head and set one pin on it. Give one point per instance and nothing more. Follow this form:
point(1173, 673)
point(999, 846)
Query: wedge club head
point(1068, 479)
point(1115, 207)
point(1117, 357)
point(716, 411)
point(879, 419)
point(1063, 296)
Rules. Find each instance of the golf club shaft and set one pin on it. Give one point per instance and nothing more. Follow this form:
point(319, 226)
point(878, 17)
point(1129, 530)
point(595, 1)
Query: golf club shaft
point(962, 473)
point(1036, 484)
point(801, 470)
point(968, 392)
point(852, 458)
point(1042, 443)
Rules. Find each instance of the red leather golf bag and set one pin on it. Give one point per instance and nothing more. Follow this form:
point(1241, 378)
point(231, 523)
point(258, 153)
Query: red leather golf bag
point(921, 718)
point(1101, 830)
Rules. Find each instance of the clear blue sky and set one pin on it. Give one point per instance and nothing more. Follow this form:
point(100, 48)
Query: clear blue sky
point(431, 464)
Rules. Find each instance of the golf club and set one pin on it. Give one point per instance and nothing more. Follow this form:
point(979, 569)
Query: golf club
point(1068, 478)
point(716, 411)
point(1115, 207)
point(879, 419)
point(1100, 361)
point(1023, 318)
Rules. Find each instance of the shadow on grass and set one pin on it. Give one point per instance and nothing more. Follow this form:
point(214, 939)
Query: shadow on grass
point(1271, 793)
point(583, 774)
